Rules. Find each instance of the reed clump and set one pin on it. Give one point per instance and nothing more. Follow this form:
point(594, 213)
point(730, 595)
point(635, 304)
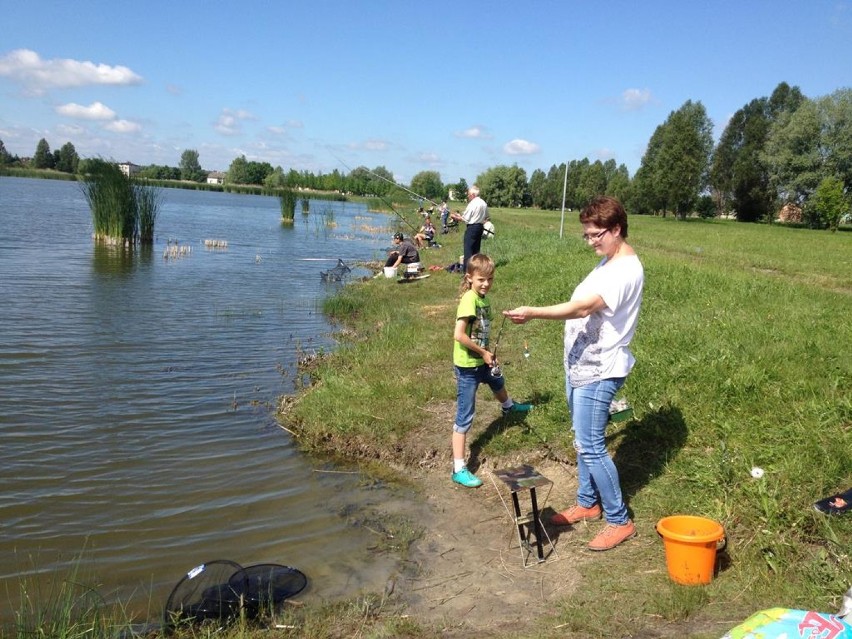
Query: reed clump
point(287, 199)
point(123, 209)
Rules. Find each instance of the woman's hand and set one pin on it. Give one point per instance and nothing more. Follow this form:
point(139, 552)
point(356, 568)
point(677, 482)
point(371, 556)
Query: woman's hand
point(520, 315)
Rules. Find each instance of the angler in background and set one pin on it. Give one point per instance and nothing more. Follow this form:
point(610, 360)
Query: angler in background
point(445, 216)
point(426, 234)
point(474, 216)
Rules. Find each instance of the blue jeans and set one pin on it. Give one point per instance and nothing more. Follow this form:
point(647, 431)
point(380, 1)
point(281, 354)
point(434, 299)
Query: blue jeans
point(597, 475)
point(467, 381)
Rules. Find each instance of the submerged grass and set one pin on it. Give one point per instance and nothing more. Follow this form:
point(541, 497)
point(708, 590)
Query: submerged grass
point(744, 358)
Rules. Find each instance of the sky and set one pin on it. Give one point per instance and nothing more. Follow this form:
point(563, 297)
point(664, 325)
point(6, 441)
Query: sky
point(452, 86)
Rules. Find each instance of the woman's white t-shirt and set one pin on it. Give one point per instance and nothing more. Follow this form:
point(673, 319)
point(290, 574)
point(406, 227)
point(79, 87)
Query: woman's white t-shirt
point(597, 346)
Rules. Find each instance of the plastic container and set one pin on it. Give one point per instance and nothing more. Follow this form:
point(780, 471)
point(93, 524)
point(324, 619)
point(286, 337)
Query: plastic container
point(691, 544)
point(390, 272)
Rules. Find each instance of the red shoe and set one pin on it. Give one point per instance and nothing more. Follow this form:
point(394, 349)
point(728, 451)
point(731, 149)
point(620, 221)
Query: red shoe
point(576, 514)
point(612, 535)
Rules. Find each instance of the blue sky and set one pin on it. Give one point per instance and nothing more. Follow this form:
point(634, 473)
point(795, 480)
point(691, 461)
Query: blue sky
point(451, 86)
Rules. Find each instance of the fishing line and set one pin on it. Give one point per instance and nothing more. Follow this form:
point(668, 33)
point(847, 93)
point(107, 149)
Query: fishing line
point(398, 214)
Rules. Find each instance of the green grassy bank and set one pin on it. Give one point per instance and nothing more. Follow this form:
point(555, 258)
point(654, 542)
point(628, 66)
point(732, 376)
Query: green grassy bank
point(744, 358)
point(744, 353)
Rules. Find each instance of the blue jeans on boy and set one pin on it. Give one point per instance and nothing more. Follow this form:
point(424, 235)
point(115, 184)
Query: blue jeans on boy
point(597, 475)
point(467, 381)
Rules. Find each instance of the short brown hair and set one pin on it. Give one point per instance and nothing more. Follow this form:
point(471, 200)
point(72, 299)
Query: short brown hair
point(605, 212)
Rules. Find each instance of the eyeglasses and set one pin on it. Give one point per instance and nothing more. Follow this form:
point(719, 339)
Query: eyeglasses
point(594, 237)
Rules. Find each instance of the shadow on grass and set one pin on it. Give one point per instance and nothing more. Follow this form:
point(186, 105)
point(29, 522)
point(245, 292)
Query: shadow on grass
point(644, 446)
point(499, 425)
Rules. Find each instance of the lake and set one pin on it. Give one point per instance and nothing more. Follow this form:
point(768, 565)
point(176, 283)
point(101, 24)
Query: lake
point(139, 391)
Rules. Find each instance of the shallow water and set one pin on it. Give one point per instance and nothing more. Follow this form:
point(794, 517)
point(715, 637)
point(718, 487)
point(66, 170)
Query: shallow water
point(136, 416)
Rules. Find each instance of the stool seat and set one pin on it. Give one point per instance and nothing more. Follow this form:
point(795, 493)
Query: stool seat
point(529, 526)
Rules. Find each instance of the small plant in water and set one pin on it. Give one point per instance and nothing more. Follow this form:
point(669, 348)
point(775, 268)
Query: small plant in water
point(287, 199)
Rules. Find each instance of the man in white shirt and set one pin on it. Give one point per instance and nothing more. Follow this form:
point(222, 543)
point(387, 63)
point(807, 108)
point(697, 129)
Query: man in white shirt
point(474, 216)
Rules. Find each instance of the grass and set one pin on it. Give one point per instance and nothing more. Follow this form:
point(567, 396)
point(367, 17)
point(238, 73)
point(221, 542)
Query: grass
point(744, 358)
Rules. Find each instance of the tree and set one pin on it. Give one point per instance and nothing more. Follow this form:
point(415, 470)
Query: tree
point(190, 167)
point(674, 169)
point(829, 202)
point(43, 158)
point(5, 157)
point(792, 154)
point(429, 185)
point(738, 175)
point(238, 171)
point(504, 186)
point(457, 191)
point(68, 159)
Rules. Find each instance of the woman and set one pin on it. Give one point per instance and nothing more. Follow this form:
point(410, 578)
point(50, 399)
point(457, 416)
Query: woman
point(600, 320)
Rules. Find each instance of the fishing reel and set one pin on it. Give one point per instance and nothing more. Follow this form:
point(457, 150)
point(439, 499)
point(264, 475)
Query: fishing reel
point(496, 371)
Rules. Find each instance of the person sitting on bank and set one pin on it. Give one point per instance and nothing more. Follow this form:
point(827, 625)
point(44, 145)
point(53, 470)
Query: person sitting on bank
point(426, 233)
point(404, 252)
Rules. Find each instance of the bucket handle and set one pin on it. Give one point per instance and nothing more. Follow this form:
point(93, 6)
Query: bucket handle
point(721, 544)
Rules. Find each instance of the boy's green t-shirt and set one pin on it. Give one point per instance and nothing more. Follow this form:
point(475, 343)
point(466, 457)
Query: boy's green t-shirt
point(478, 310)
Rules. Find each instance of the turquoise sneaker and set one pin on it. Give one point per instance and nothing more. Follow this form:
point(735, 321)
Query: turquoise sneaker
point(467, 478)
point(517, 407)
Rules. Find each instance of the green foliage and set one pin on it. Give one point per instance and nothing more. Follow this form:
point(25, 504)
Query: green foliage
point(68, 159)
point(674, 169)
point(190, 167)
point(830, 202)
point(429, 185)
point(42, 159)
point(243, 171)
point(504, 186)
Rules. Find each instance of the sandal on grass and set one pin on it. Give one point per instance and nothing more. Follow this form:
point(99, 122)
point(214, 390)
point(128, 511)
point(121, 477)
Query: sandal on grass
point(836, 504)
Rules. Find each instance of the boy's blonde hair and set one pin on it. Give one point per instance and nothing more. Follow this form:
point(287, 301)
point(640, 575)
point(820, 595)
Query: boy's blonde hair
point(479, 264)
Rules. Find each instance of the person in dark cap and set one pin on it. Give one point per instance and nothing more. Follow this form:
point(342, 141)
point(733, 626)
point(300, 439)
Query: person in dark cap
point(403, 252)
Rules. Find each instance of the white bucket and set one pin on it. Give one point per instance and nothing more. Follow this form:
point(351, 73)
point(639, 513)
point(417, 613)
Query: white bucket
point(390, 272)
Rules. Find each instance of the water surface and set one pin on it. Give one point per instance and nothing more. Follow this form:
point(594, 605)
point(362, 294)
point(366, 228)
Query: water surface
point(136, 414)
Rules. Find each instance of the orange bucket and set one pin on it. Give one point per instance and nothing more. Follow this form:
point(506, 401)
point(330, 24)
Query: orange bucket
point(691, 544)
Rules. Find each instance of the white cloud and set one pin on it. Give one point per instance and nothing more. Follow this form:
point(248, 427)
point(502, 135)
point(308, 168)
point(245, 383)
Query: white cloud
point(230, 121)
point(635, 99)
point(521, 147)
point(375, 145)
point(123, 126)
point(474, 132)
point(95, 111)
point(37, 75)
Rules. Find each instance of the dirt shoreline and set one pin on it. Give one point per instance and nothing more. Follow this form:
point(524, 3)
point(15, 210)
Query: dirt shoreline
point(465, 574)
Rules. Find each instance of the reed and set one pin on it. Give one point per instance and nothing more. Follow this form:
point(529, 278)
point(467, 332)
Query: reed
point(287, 199)
point(123, 209)
point(148, 207)
point(306, 206)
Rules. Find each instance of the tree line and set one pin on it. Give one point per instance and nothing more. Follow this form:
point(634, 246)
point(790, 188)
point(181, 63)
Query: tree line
point(781, 151)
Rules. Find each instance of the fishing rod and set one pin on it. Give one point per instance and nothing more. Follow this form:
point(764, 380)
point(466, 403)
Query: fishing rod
point(495, 367)
point(417, 195)
point(398, 214)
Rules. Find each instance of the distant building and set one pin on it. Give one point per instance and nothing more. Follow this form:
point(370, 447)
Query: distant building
point(215, 177)
point(129, 169)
